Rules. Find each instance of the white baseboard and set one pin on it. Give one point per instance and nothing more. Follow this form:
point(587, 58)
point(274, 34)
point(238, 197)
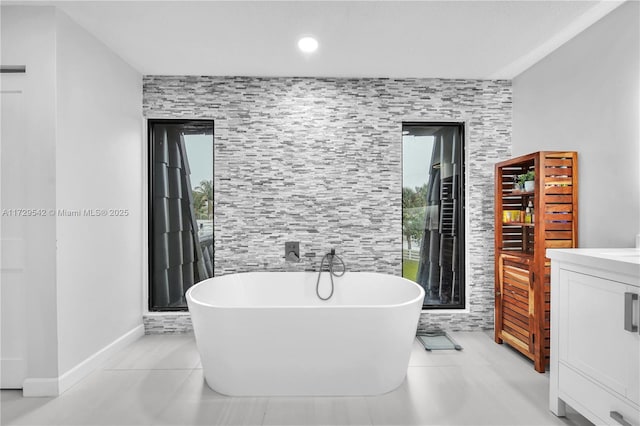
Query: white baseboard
point(35, 387)
point(40, 387)
point(12, 372)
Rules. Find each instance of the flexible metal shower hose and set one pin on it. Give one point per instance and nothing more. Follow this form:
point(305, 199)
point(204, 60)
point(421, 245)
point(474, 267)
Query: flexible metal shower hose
point(331, 256)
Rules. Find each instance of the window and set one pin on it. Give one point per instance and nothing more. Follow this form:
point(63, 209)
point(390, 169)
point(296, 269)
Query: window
point(433, 211)
point(180, 210)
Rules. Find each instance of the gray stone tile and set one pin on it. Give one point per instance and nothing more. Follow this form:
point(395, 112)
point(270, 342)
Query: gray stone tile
point(318, 160)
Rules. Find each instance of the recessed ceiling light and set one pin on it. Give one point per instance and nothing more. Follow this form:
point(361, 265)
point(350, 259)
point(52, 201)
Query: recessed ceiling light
point(308, 44)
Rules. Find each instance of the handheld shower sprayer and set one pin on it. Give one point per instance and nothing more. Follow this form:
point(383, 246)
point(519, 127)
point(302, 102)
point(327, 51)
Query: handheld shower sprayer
point(331, 256)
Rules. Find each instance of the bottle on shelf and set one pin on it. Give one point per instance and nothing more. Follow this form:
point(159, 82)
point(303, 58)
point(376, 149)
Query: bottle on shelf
point(531, 214)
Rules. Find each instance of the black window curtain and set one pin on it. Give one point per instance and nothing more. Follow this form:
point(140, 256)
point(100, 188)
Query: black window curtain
point(441, 266)
point(178, 260)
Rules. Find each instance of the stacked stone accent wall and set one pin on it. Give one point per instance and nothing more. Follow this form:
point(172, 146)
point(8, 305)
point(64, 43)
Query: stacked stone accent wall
point(318, 160)
point(173, 323)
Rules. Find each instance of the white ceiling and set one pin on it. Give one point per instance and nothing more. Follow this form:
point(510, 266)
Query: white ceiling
point(397, 39)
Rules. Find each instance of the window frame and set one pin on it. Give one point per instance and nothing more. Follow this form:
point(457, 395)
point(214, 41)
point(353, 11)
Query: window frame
point(462, 216)
point(150, 122)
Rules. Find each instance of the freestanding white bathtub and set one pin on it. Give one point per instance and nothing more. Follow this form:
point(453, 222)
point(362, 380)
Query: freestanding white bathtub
point(267, 333)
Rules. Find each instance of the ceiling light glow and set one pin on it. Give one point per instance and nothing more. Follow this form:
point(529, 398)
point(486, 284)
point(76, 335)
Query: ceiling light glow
point(308, 44)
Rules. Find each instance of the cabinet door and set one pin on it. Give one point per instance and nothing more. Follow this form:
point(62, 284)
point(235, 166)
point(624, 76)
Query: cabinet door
point(592, 335)
point(13, 257)
point(517, 303)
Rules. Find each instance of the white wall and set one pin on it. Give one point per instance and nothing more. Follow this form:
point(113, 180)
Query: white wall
point(585, 97)
point(28, 38)
point(83, 137)
point(98, 166)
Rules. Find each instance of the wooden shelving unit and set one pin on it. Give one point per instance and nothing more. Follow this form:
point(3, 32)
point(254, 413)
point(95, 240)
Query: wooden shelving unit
point(522, 283)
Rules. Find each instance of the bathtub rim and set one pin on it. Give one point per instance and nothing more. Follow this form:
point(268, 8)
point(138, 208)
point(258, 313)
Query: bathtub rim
point(190, 299)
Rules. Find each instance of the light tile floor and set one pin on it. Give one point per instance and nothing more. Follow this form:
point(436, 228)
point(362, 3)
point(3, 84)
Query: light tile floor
point(158, 381)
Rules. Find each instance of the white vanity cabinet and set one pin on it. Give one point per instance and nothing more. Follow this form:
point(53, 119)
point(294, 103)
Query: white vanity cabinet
point(595, 334)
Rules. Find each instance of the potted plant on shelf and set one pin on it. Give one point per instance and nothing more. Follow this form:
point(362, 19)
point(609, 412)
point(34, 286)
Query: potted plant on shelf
point(526, 180)
point(517, 185)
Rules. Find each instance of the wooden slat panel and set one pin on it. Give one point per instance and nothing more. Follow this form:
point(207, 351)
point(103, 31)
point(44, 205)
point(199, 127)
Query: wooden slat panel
point(558, 162)
point(512, 249)
point(512, 206)
point(514, 289)
point(516, 297)
point(557, 208)
point(517, 317)
point(508, 264)
point(517, 328)
point(517, 331)
point(558, 171)
point(554, 189)
point(516, 311)
point(512, 245)
point(511, 199)
point(558, 199)
point(516, 283)
point(516, 294)
point(518, 273)
point(511, 168)
point(559, 226)
point(511, 237)
point(566, 155)
point(515, 305)
point(558, 180)
point(558, 235)
point(517, 261)
point(559, 216)
point(558, 244)
point(511, 228)
point(518, 344)
point(516, 277)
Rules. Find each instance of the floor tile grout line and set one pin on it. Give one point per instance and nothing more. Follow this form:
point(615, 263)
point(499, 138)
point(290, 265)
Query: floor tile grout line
point(177, 388)
point(369, 415)
point(152, 369)
point(264, 414)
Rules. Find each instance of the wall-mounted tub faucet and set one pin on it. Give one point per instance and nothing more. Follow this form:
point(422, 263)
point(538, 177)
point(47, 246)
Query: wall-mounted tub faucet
point(292, 251)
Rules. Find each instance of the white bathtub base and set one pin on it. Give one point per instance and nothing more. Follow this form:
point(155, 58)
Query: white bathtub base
point(305, 347)
point(293, 390)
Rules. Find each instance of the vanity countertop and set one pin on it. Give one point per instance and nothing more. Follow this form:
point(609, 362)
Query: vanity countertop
point(621, 260)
